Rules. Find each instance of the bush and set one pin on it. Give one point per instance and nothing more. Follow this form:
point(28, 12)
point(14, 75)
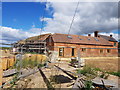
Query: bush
point(86, 70)
point(26, 64)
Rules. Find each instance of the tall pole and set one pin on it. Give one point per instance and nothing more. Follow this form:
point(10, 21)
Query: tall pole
point(79, 62)
point(21, 52)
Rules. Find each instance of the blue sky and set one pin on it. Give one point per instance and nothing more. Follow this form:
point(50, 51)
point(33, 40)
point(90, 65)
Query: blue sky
point(22, 15)
point(21, 20)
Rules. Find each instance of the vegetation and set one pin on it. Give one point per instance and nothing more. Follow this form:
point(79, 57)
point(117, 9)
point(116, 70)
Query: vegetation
point(27, 64)
point(115, 73)
point(88, 85)
point(31, 53)
point(87, 70)
point(14, 80)
point(3, 48)
point(90, 72)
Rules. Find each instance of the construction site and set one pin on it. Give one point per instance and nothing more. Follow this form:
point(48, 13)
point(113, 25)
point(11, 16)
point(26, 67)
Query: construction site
point(61, 61)
point(44, 62)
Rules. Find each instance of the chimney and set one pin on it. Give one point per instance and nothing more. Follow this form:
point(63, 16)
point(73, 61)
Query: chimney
point(110, 35)
point(89, 34)
point(95, 33)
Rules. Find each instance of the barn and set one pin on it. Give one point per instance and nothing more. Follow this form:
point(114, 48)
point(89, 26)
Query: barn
point(67, 46)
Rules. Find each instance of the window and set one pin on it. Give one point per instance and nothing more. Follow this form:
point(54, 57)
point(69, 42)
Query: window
point(69, 37)
point(73, 52)
point(114, 43)
point(79, 38)
point(96, 39)
point(88, 38)
point(101, 50)
point(61, 51)
point(108, 50)
point(83, 49)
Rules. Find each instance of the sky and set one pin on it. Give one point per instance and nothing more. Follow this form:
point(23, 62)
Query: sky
point(21, 20)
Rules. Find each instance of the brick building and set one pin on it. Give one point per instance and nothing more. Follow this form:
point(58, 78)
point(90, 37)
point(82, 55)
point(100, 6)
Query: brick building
point(68, 46)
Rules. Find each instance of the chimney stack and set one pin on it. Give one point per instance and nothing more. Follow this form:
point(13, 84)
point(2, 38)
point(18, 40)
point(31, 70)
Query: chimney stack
point(89, 34)
point(110, 35)
point(95, 33)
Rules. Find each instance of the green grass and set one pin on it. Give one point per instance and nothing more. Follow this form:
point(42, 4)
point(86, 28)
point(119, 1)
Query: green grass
point(86, 70)
point(88, 85)
point(31, 53)
point(5, 48)
point(27, 64)
point(93, 71)
point(115, 73)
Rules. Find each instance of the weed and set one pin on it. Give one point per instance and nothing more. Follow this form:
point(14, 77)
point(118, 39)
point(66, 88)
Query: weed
point(87, 70)
point(97, 69)
point(88, 85)
point(115, 73)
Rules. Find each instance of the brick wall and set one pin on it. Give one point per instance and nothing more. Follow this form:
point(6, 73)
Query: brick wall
point(86, 52)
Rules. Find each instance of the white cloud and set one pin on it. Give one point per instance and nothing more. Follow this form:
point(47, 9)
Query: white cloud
point(90, 17)
point(10, 35)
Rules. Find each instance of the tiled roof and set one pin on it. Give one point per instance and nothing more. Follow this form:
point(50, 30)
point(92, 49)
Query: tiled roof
point(78, 39)
point(35, 39)
point(108, 38)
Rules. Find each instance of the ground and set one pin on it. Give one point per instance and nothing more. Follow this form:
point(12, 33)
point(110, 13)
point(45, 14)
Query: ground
point(54, 75)
point(37, 80)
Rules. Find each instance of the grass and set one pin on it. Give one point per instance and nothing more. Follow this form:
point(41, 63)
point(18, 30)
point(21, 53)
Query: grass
point(14, 80)
point(88, 85)
point(87, 70)
point(27, 64)
point(115, 73)
point(3, 48)
point(31, 53)
point(93, 72)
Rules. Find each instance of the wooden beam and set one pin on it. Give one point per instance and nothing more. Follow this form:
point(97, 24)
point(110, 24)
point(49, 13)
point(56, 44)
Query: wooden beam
point(1, 71)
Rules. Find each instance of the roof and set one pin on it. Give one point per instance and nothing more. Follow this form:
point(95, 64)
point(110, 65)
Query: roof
point(39, 37)
point(78, 39)
point(108, 38)
point(35, 38)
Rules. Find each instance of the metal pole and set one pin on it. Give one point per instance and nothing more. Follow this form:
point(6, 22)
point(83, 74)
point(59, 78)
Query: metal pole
point(21, 61)
point(1, 72)
point(79, 62)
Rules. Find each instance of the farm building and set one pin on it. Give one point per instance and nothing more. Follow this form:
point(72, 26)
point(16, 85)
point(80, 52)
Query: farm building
point(68, 46)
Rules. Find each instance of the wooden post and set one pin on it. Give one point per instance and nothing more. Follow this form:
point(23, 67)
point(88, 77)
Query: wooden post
point(1, 72)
